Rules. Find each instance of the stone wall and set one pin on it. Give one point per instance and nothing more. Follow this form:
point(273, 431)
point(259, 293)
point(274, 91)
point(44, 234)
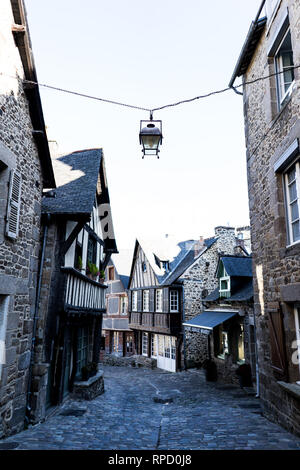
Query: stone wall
point(19, 257)
point(268, 134)
point(200, 276)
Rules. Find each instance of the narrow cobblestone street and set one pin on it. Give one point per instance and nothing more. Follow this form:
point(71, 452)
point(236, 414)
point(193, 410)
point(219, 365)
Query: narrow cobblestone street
point(156, 410)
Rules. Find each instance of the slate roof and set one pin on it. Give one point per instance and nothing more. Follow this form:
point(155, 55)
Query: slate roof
point(244, 293)
point(214, 295)
point(248, 49)
point(238, 266)
point(77, 174)
point(184, 260)
point(124, 280)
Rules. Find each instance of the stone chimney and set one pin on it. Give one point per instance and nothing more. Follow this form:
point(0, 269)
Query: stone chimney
point(226, 240)
point(222, 230)
point(198, 246)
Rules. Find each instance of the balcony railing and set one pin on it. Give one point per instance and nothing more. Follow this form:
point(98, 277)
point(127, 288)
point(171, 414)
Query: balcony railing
point(82, 292)
point(152, 321)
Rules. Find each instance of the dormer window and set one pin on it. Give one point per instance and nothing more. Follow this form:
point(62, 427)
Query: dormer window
point(165, 265)
point(224, 286)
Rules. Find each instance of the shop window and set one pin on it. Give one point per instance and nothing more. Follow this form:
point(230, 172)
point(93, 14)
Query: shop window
point(145, 338)
point(153, 345)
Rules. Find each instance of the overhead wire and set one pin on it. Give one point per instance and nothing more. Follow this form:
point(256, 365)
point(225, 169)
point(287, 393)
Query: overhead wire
point(151, 110)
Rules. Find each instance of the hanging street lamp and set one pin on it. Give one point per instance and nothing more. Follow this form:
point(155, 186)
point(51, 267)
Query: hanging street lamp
point(150, 136)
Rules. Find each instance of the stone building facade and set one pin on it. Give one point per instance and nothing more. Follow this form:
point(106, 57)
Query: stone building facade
point(272, 130)
point(25, 170)
point(225, 330)
point(199, 280)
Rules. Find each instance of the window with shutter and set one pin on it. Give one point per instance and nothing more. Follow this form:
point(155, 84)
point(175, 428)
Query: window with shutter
point(13, 206)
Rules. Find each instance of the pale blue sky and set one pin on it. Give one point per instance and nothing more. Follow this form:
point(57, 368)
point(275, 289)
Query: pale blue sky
point(150, 54)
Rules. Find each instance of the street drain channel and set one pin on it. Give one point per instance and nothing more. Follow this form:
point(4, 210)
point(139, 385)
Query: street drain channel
point(72, 412)
point(8, 445)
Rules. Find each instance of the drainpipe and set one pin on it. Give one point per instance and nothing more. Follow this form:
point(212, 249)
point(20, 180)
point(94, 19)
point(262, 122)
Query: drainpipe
point(183, 332)
point(35, 319)
point(256, 357)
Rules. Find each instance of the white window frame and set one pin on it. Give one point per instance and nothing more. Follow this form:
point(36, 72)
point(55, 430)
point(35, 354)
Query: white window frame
point(123, 305)
point(145, 341)
point(297, 326)
point(173, 347)
point(153, 345)
point(172, 300)
point(290, 222)
point(226, 278)
point(145, 300)
point(134, 300)
point(159, 300)
point(282, 95)
point(271, 8)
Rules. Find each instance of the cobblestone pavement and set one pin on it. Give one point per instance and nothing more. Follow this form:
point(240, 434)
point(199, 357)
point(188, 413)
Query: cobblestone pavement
point(157, 410)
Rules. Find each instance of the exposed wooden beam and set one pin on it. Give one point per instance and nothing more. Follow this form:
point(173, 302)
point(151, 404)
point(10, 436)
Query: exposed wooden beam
point(106, 261)
point(77, 229)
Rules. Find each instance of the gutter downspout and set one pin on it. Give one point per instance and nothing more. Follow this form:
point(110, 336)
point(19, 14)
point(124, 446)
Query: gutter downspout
point(183, 332)
point(36, 310)
point(256, 358)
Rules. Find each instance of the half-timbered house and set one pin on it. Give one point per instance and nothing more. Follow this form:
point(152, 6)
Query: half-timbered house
point(78, 240)
point(118, 337)
point(155, 307)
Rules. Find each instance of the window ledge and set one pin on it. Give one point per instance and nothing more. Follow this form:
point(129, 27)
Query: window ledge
point(291, 388)
point(282, 109)
point(292, 250)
